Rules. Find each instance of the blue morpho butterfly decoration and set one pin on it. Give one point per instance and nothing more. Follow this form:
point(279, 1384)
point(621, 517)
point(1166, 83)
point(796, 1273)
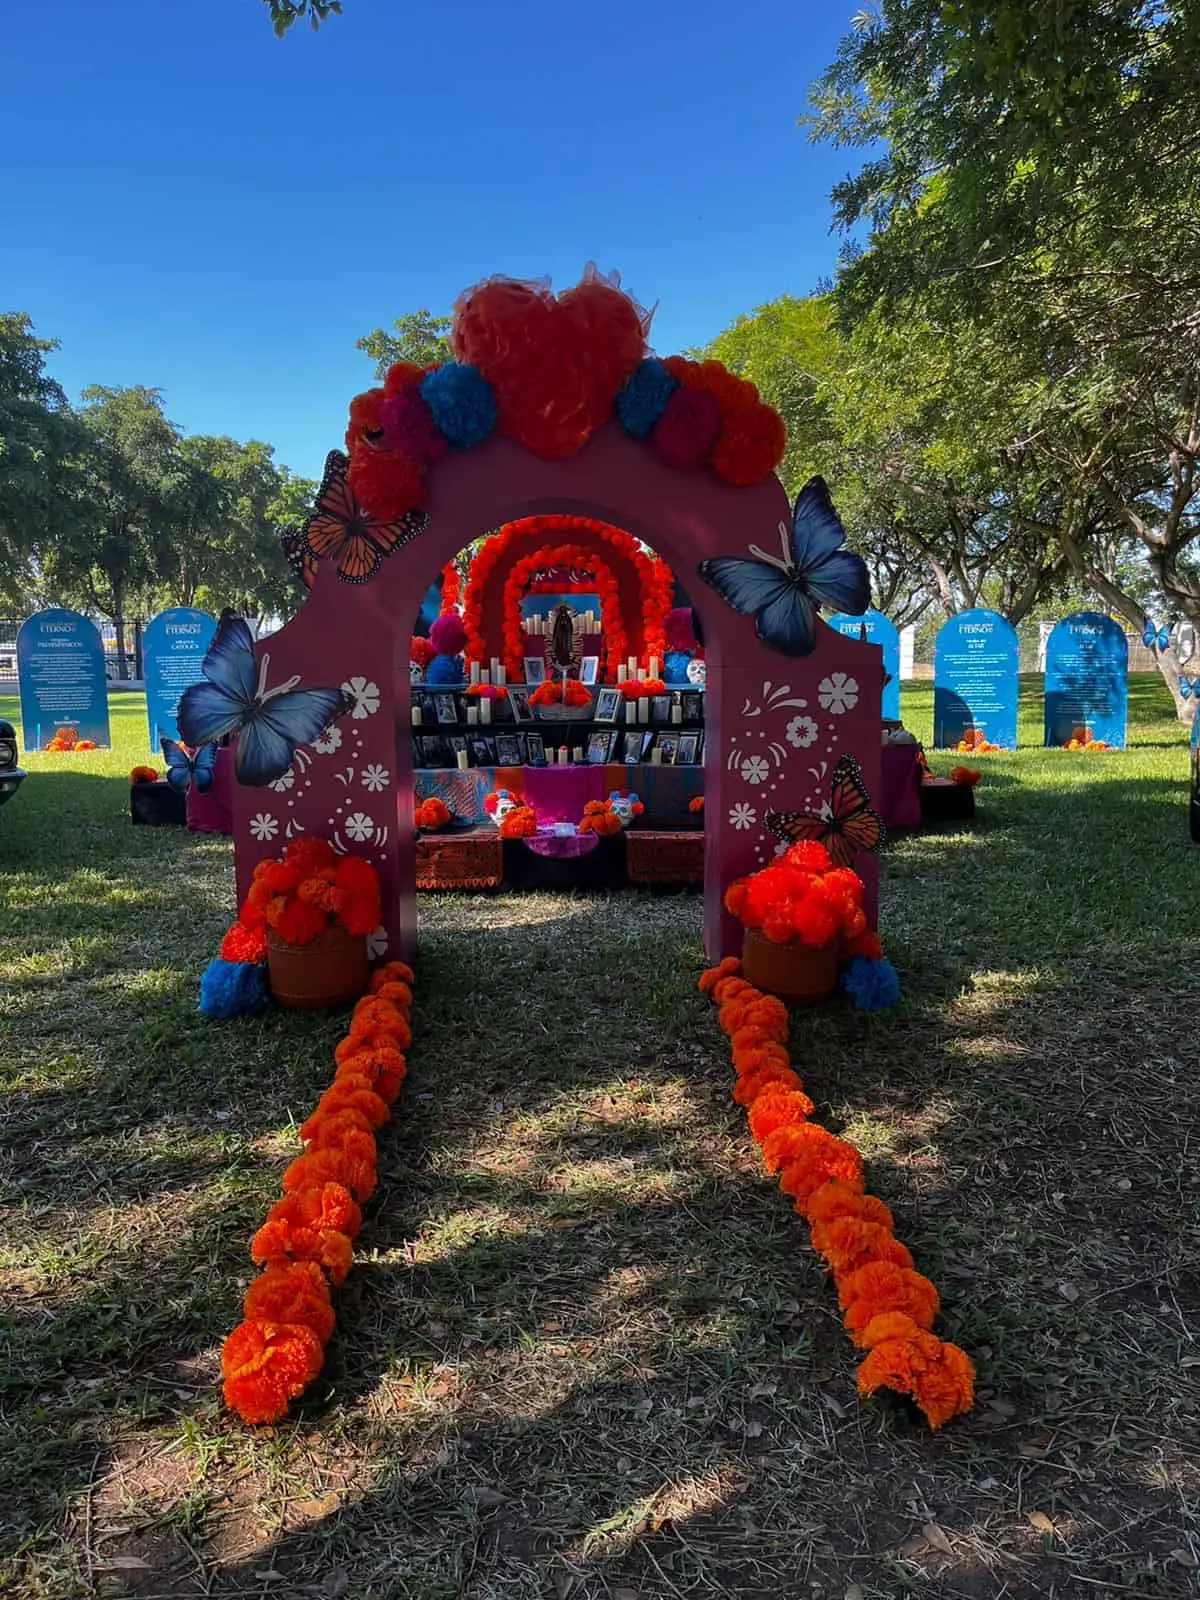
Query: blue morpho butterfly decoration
point(269, 723)
point(782, 592)
point(1152, 636)
point(186, 768)
point(1189, 687)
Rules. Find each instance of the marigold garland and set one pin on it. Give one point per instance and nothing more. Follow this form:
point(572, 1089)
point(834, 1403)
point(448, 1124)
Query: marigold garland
point(888, 1307)
point(305, 1246)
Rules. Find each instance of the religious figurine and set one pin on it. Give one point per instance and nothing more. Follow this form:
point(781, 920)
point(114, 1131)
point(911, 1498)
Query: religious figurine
point(562, 639)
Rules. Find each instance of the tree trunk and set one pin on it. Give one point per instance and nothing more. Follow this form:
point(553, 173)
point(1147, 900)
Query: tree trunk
point(118, 616)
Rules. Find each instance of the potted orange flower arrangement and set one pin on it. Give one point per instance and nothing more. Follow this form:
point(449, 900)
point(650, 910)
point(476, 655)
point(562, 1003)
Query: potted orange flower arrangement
point(559, 698)
point(801, 915)
point(316, 909)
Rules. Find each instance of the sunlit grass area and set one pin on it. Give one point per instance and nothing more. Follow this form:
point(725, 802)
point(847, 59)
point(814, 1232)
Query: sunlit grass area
point(586, 1350)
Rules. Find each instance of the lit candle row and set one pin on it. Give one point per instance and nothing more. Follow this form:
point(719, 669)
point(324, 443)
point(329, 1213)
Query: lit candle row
point(542, 627)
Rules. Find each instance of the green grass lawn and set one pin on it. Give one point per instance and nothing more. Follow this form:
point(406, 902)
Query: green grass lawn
point(586, 1350)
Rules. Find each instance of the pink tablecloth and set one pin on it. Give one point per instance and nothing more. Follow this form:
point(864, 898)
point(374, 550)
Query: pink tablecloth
point(213, 812)
point(900, 785)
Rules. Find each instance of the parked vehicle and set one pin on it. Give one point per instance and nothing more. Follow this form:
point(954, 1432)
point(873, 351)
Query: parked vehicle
point(11, 775)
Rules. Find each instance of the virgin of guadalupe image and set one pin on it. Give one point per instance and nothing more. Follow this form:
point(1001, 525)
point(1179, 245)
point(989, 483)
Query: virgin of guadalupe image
point(563, 656)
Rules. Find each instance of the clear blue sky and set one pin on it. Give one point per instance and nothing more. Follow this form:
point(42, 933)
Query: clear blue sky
point(192, 204)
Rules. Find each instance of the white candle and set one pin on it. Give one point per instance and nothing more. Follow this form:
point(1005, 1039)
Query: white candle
point(485, 677)
point(577, 754)
point(462, 760)
point(495, 669)
point(643, 709)
point(474, 672)
point(656, 757)
point(622, 674)
point(631, 712)
point(485, 711)
point(562, 755)
point(633, 666)
point(472, 715)
point(654, 666)
point(677, 712)
point(501, 676)
point(416, 716)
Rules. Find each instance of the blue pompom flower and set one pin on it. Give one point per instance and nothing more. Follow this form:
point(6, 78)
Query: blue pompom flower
point(871, 985)
point(234, 989)
point(462, 403)
point(644, 398)
point(675, 665)
point(445, 670)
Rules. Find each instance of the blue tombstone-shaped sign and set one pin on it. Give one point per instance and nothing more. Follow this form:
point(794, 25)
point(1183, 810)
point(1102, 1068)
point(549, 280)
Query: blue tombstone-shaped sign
point(975, 683)
point(60, 669)
point(1087, 680)
point(875, 628)
point(173, 646)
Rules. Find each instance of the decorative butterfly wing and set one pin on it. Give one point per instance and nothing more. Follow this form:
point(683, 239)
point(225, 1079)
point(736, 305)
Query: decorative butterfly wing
point(852, 824)
point(1185, 689)
point(341, 531)
point(297, 556)
point(204, 766)
point(833, 577)
point(278, 725)
point(1149, 634)
point(1164, 637)
point(785, 619)
point(179, 765)
point(209, 711)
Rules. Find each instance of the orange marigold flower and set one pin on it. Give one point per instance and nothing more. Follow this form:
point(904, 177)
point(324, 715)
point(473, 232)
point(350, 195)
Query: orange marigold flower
point(265, 1365)
point(291, 1291)
point(827, 1157)
point(725, 968)
point(332, 1251)
point(792, 1141)
point(776, 1109)
point(887, 1325)
point(330, 1166)
point(340, 1097)
point(729, 989)
point(849, 1243)
point(770, 1015)
point(883, 1286)
point(374, 1017)
point(867, 943)
point(244, 944)
point(835, 1199)
point(398, 993)
point(143, 775)
point(753, 1057)
point(937, 1376)
point(769, 1076)
point(325, 1205)
point(393, 972)
point(325, 1130)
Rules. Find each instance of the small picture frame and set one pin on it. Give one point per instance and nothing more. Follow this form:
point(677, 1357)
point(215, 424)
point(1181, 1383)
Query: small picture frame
point(632, 746)
point(660, 708)
point(688, 752)
point(508, 750)
point(668, 744)
point(447, 709)
point(608, 705)
point(589, 669)
point(458, 743)
point(600, 746)
point(518, 699)
point(692, 702)
point(535, 671)
point(535, 749)
point(483, 749)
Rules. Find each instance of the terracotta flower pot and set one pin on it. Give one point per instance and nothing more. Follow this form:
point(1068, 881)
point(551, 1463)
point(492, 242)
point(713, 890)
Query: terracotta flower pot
point(802, 973)
point(331, 971)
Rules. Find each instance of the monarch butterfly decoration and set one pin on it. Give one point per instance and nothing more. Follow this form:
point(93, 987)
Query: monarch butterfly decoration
point(341, 532)
point(298, 558)
point(848, 822)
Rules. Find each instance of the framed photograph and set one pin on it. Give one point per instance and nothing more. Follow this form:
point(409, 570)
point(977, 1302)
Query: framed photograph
point(608, 704)
point(508, 749)
point(632, 746)
point(535, 670)
point(437, 752)
point(457, 743)
point(535, 749)
point(688, 752)
point(660, 708)
point(446, 707)
point(518, 699)
point(600, 746)
point(589, 669)
point(483, 749)
point(668, 743)
point(693, 705)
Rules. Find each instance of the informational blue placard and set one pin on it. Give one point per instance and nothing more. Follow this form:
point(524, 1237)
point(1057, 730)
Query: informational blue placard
point(875, 628)
point(60, 669)
point(1087, 680)
point(173, 646)
point(975, 684)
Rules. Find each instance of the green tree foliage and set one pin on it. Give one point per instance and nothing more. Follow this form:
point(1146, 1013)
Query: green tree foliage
point(417, 336)
point(1031, 190)
point(37, 439)
point(285, 12)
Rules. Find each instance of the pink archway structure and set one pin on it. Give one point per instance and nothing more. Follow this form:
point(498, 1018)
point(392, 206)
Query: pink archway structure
point(776, 725)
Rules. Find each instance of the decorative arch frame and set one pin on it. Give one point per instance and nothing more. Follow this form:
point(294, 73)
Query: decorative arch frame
point(776, 725)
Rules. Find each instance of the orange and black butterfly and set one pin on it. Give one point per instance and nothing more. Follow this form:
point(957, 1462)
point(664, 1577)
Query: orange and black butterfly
point(298, 558)
point(341, 531)
point(849, 825)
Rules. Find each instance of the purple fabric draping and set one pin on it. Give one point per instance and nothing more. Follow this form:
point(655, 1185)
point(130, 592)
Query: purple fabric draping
point(212, 812)
point(561, 847)
point(900, 780)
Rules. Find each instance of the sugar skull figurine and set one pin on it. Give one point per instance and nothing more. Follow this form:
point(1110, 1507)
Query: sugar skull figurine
point(499, 803)
point(625, 805)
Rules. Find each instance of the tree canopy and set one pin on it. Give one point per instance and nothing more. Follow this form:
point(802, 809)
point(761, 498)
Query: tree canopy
point(285, 12)
point(417, 336)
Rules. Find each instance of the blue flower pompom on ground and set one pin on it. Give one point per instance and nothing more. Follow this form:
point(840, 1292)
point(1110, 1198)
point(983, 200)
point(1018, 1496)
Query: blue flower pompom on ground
point(871, 985)
point(462, 403)
point(234, 989)
point(644, 398)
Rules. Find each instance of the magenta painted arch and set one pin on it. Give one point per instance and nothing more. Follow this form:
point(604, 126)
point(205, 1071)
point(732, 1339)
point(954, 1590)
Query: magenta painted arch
point(775, 725)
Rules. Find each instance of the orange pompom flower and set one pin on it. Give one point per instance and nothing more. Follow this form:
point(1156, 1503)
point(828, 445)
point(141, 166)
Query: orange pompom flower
point(777, 1109)
point(836, 1199)
point(849, 1243)
point(725, 968)
point(883, 1286)
point(938, 1377)
point(265, 1365)
point(771, 1076)
point(340, 1097)
point(291, 1291)
point(330, 1166)
point(393, 972)
point(827, 1157)
point(244, 944)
